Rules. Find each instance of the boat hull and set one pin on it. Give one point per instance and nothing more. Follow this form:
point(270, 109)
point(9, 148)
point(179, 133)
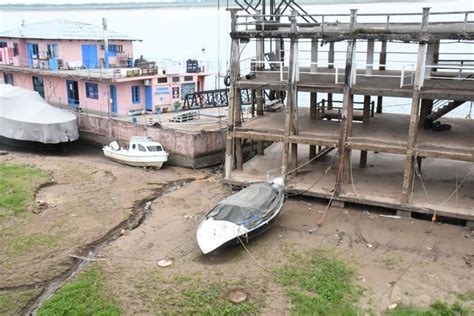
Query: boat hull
point(136, 161)
point(214, 235)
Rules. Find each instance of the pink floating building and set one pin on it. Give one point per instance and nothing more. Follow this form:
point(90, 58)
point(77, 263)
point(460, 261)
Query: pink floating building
point(91, 68)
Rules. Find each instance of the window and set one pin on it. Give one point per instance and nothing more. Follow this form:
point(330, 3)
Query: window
point(162, 80)
point(175, 79)
point(114, 49)
point(187, 88)
point(135, 94)
point(3, 44)
point(141, 148)
point(15, 49)
point(53, 51)
point(188, 78)
point(154, 148)
point(8, 78)
point(92, 90)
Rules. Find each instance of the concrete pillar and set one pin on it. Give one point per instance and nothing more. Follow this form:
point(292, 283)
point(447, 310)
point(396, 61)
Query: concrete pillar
point(408, 175)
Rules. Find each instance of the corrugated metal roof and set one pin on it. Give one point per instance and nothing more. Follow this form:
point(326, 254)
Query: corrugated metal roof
point(64, 29)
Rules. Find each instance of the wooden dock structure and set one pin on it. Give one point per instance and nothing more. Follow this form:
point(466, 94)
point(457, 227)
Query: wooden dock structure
point(414, 167)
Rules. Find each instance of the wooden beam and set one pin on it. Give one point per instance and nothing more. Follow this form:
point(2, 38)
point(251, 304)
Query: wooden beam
point(408, 175)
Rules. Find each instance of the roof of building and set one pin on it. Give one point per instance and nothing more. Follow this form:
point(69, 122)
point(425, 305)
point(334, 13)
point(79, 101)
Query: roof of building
point(64, 29)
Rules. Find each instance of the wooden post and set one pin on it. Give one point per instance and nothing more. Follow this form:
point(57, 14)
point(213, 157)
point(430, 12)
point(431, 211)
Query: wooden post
point(313, 115)
point(426, 108)
point(330, 66)
point(239, 159)
point(260, 149)
point(382, 62)
point(291, 98)
point(408, 175)
point(234, 73)
point(436, 54)
point(430, 51)
point(314, 68)
point(370, 57)
point(365, 121)
point(260, 49)
point(369, 67)
point(347, 112)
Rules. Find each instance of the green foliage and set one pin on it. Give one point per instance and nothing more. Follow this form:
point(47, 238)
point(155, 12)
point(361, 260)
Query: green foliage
point(319, 284)
point(438, 308)
point(12, 302)
point(17, 187)
point(82, 296)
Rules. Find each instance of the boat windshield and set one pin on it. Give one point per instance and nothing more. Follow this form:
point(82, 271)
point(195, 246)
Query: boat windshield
point(155, 148)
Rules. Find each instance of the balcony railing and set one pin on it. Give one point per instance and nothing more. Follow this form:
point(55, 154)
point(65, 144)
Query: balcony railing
point(44, 61)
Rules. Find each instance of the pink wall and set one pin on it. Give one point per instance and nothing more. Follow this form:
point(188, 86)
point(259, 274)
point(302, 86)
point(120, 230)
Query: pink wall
point(124, 96)
point(69, 50)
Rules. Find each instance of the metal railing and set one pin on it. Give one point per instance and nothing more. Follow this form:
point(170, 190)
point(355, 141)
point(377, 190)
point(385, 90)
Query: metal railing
point(252, 21)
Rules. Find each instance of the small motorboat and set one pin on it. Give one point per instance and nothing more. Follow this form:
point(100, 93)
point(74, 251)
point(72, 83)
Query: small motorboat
point(241, 216)
point(141, 152)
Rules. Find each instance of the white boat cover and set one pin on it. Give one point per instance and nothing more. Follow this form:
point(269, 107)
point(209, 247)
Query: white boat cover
point(25, 115)
point(250, 206)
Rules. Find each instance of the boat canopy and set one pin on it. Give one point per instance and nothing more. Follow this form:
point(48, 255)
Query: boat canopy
point(26, 116)
point(250, 206)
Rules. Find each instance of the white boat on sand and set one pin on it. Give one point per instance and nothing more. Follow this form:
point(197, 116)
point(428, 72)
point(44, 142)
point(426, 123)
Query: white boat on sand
point(241, 216)
point(141, 152)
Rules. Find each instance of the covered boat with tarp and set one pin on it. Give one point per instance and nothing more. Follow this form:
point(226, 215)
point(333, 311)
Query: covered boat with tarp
point(26, 118)
point(241, 216)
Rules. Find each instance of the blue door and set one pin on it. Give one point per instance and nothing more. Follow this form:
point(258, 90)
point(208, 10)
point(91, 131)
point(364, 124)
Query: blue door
point(148, 99)
point(89, 56)
point(72, 93)
point(32, 50)
point(113, 96)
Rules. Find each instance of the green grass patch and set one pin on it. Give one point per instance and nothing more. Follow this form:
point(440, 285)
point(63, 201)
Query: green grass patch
point(83, 296)
point(317, 283)
point(17, 244)
point(438, 308)
point(12, 302)
point(186, 295)
point(17, 186)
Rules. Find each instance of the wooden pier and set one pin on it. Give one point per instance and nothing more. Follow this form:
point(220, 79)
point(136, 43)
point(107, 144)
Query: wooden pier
point(404, 161)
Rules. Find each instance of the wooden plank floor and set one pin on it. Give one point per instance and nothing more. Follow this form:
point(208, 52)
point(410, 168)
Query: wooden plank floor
point(379, 184)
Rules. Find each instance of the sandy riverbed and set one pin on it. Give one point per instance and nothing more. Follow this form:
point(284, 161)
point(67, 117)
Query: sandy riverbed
point(396, 260)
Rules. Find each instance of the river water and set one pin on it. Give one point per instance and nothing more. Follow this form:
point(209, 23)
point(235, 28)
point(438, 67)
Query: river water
point(172, 35)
